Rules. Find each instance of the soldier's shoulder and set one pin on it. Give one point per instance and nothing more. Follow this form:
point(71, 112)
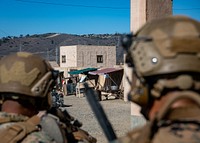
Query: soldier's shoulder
point(9, 120)
point(132, 135)
point(178, 132)
point(12, 117)
point(38, 137)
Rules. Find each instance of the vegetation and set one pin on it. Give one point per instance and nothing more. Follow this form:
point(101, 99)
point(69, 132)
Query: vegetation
point(47, 45)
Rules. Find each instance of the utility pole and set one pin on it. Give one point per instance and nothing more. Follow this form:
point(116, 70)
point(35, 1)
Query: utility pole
point(57, 54)
point(20, 46)
point(47, 53)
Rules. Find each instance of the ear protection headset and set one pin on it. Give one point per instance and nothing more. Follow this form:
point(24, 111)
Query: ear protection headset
point(138, 93)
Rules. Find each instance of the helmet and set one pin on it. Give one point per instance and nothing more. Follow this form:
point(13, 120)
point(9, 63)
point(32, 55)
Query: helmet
point(165, 46)
point(26, 76)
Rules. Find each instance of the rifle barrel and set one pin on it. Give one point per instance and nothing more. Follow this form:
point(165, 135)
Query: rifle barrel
point(99, 113)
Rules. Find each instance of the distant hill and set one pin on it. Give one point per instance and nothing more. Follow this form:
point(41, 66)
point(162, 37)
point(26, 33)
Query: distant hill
point(47, 45)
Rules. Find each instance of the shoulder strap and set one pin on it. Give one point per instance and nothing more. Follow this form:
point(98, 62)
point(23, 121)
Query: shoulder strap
point(4, 120)
point(82, 135)
point(138, 135)
point(19, 130)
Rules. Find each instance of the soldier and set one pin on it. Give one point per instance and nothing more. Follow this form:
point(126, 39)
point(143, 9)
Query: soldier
point(165, 57)
point(25, 84)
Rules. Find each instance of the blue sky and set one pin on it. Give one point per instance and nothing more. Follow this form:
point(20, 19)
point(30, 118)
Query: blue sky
point(75, 16)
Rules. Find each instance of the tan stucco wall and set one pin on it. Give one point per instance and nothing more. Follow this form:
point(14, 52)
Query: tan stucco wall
point(83, 56)
point(71, 56)
point(87, 56)
point(138, 19)
point(138, 14)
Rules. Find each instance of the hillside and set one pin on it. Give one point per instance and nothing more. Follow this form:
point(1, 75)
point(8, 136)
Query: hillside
point(47, 45)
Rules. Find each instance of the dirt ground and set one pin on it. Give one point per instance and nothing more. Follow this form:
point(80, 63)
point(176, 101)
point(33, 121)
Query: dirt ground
point(117, 111)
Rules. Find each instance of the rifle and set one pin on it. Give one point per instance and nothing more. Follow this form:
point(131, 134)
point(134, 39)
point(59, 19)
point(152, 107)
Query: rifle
point(72, 128)
point(99, 113)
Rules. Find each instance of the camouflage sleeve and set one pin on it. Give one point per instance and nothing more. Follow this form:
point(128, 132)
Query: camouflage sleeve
point(38, 137)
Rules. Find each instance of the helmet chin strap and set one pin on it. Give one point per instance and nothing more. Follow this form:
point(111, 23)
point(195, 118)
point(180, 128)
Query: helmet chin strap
point(183, 82)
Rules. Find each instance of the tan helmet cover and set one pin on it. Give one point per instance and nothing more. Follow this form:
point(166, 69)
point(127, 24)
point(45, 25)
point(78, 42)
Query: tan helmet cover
point(25, 73)
point(174, 47)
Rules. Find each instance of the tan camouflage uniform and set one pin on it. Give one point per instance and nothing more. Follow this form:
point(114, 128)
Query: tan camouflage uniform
point(164, 54)
point(184, 129)
point(34, 137)
point(28, 79)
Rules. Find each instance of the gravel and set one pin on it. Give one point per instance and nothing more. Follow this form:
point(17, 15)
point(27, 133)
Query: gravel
point(117, 111)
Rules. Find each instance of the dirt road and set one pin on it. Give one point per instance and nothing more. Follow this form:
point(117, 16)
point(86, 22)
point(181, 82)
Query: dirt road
point(117, 111)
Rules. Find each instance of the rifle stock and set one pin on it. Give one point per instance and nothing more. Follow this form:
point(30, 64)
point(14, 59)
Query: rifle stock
point(99, 113)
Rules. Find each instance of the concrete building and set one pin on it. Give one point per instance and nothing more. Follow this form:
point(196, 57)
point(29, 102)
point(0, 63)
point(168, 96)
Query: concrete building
point(141, 12)
point(84, 56)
